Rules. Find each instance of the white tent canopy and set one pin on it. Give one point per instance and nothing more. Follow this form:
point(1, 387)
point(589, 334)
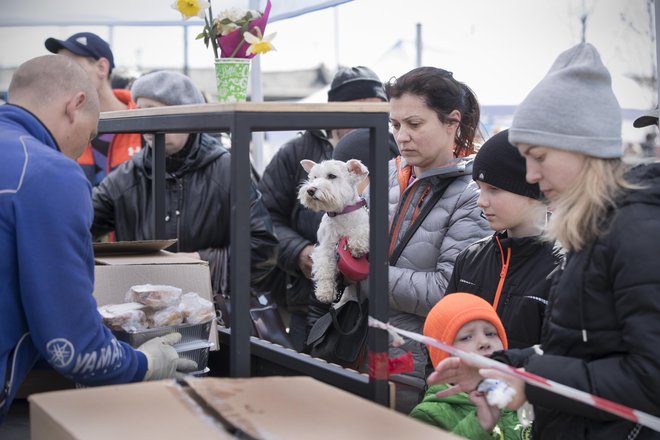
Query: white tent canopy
point(135, 12)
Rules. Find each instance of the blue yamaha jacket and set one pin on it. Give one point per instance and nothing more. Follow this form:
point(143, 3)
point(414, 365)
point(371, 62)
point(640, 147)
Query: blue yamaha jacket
point(47, 266)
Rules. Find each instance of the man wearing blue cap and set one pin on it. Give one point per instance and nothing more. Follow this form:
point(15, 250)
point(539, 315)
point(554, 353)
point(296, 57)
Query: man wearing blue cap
point(107, 151)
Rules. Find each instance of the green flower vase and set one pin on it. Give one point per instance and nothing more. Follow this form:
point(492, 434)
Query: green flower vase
point(231, 76)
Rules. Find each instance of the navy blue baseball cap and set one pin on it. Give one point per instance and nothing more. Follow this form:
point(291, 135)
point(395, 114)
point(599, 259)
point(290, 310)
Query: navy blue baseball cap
point(84, 44)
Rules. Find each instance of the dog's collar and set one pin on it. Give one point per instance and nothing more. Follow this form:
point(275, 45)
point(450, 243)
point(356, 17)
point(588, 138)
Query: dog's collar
point(350, 208)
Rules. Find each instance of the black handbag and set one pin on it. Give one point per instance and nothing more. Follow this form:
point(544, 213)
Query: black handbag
point(267, 323)
point(340, 335)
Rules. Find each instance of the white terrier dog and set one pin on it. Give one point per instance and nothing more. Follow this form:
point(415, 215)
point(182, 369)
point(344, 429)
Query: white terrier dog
point(331, 186)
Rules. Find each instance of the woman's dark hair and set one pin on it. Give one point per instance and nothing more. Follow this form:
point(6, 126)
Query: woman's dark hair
point(443, 94)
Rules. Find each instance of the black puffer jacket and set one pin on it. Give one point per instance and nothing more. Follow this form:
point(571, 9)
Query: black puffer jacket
point(524, 294)
point(602, 335)
point(295, 225)
point(196, 206)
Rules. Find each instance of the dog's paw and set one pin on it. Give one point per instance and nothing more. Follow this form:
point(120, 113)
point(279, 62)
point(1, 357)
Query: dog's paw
point(358, 248)
point(325, 297)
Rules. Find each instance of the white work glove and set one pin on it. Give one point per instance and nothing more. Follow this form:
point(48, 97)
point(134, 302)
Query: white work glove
point(163, 362)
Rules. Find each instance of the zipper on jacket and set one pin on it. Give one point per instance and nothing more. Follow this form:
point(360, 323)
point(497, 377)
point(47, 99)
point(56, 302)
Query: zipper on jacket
point(503, 272)
point(177, 212)
point(9, 373)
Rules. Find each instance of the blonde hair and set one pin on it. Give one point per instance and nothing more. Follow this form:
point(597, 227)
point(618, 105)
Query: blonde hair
point(579, 214)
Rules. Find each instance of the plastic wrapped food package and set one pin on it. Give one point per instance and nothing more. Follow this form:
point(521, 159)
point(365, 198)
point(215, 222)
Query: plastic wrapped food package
point(156, 296)
point(167, 317)
point(151, 307)
point(196, 309)
point(128, 317)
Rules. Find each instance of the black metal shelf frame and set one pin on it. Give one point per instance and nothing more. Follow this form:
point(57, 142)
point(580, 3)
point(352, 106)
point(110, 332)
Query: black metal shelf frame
point(241, 125)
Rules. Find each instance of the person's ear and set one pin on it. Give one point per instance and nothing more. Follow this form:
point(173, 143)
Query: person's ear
point(455, 116)
point(74, 105)
point(103, 67)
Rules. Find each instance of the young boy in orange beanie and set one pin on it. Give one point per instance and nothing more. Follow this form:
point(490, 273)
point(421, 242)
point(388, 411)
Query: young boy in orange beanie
point(469, 323)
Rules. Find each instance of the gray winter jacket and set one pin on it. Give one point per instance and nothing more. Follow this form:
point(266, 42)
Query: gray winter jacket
point(418, 278)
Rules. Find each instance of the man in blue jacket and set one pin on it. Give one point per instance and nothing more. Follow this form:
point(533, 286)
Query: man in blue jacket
point(47, 310)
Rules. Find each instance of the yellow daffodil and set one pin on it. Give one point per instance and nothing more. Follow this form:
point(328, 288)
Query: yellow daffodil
point(258, 44)
point(191, 8)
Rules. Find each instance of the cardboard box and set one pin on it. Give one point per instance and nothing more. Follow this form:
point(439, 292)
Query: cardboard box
point(219, 408)
point(124, 264)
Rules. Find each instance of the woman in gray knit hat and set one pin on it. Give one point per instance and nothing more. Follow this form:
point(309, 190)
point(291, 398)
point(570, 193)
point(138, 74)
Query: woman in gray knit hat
point(602, 332)
point(197, 205)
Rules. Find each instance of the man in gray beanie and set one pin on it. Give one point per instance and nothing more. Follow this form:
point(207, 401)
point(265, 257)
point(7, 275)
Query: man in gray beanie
point(294, 224)
point(573, 108)
point(196, 190)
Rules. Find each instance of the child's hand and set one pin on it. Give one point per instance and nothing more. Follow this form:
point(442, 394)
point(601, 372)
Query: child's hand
point(458, 372)
point(518, 385)
point(487, 415)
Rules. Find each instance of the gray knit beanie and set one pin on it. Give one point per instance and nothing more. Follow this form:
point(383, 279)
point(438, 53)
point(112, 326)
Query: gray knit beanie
point(573, 108)
point(170, 88)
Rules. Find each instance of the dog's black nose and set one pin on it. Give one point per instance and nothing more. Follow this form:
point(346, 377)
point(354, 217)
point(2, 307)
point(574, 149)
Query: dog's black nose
point(311, 191)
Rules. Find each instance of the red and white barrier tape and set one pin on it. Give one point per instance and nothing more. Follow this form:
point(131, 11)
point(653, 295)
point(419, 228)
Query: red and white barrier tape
point(483, 362)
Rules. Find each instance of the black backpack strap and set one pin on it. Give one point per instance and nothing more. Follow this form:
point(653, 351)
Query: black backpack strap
point(430, 204)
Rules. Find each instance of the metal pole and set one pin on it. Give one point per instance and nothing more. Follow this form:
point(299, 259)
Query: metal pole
point(336, 35)
point(158, 185)
point(257, 147)
point(186, 68)
point(378, 263)
point(239, 263)
point(657, 47)
point(418, 45)
point(257, 95)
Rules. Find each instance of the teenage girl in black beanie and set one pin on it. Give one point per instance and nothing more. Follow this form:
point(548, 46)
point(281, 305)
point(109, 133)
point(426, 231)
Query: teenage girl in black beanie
point(510, 268)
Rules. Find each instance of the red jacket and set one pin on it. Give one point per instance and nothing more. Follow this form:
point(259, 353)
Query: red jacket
point(122, 147)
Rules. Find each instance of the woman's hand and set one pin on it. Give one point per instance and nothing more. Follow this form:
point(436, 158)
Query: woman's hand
point(517, 384)
point(305, 261)
point(463, 376)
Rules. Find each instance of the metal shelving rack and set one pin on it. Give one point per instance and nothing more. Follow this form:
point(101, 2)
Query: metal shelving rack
point(241, 120)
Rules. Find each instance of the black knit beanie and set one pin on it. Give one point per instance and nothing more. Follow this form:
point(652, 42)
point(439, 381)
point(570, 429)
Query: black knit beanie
point(352, 83)
point(499, 163)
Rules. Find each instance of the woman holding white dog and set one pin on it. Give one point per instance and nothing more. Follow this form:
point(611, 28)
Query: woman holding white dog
point(433, 202)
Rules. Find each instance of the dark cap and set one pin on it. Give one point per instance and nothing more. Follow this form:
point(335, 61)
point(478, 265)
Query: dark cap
point(84, 44)
point(355, 145)
point(499, 163)
point(353, 83)
point(650, 118)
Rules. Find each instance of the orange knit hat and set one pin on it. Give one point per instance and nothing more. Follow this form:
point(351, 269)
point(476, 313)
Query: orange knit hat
point(451, 313)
